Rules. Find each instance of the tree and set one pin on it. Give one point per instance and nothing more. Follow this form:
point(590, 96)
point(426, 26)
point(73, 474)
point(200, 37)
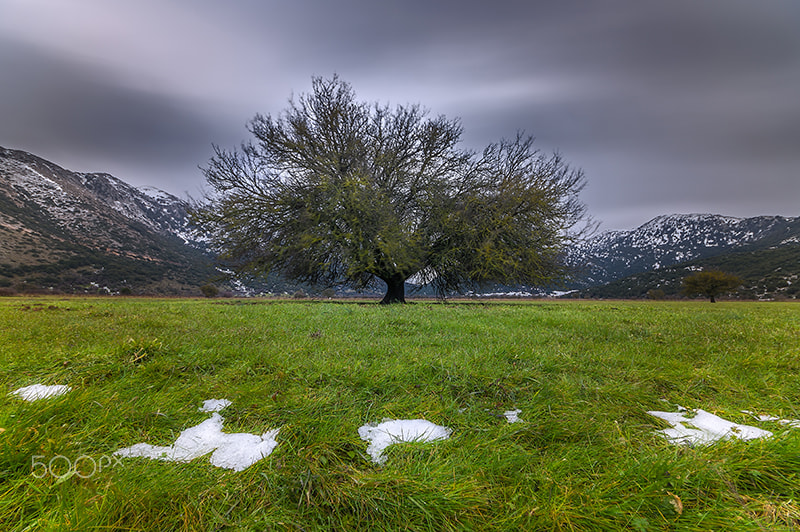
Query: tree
point(337, 191)
point(710, 283)
point(209, 290)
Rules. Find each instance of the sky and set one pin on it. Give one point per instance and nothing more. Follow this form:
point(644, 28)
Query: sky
point(685, 106)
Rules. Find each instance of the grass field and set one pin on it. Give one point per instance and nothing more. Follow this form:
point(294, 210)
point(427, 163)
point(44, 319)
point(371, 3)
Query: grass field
point(582, 374)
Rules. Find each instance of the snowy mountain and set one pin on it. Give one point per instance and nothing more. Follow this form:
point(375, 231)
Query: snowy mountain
point(766, 273)
point(669, 240)
point(79, 232)
point(69, 230)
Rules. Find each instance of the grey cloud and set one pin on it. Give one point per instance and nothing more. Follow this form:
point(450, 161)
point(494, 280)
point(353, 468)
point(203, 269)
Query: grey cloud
point(81, 116)
point(667, 106)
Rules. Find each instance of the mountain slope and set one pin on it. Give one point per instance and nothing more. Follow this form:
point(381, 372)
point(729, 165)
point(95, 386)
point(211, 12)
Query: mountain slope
point(75, 231)
point(772, 273)
point(79, 232)
point(669, 240)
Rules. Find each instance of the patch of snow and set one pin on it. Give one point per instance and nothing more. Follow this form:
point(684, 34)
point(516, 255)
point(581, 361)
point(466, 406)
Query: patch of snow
point(186, 236)
point(512, 416)
point(241, 450)
point(214, 405)
point(790, 422)
point(236, 451)
point(423, 277)
point(23, 174)
point(701, 427)
point(391, 431)
point(156, 194)
point(41, 391)
point(506, 294)
point(561, 293)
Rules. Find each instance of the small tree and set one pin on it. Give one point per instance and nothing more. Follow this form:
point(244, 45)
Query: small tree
point(337, 191)
point(656, 294)
point(209, 290)
point(710, 283)
point(328, 293)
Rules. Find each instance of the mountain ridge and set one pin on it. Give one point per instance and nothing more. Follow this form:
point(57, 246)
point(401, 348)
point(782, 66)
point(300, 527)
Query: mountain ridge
point(79, 232)
point(667, 240)
point(51, 217)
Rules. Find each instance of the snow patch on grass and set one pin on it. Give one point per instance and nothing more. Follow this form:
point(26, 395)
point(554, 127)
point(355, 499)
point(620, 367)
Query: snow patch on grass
point(394, 431)
point(701, 427)
point(214, 405)
point(790, 422)
point(236, 451)
point(41, 391)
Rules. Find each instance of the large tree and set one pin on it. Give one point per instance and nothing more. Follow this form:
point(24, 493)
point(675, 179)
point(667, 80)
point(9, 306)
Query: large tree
point(338, 191)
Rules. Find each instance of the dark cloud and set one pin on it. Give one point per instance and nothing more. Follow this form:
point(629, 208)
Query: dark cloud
point(667, 106)
point(83, 119)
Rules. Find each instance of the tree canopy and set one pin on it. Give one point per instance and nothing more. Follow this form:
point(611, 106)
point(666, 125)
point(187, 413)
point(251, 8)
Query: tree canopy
point(710, 284)
point(335, 191)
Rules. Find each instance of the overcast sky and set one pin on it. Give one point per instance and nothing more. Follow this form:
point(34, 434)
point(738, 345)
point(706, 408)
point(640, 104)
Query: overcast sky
point(667, 106)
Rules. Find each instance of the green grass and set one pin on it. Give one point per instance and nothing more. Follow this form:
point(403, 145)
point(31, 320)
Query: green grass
point(583, 375)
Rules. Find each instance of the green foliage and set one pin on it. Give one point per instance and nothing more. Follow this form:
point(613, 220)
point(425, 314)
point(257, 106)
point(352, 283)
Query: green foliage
point(583, 375)
point(328, 293)
point(656, 293)
point(710, 283)
point(209, 290)
point(336, 191)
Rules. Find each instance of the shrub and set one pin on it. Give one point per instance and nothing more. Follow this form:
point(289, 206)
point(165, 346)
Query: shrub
point(329, 293)
point(656, 293)
point(209, 290)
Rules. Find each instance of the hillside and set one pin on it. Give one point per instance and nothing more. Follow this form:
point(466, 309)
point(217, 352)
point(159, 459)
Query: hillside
point(772, 273)
point(91, 232)
point(674, 239)
point(85, 232)
point(763, 250)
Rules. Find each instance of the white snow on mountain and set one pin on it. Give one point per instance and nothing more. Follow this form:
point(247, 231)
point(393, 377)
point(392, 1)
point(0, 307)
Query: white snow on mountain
point(671, 239)
point(70, 198)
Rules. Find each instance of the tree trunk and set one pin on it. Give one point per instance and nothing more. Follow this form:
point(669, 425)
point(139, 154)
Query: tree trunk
point(395, 290)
